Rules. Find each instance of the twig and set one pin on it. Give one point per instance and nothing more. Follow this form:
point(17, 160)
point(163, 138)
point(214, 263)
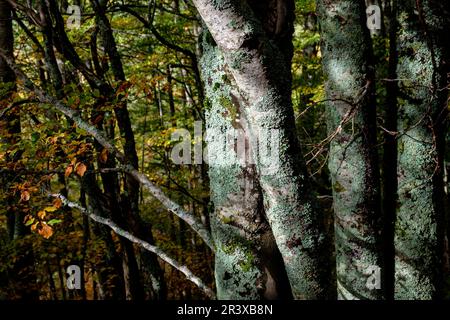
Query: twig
point(347, 117)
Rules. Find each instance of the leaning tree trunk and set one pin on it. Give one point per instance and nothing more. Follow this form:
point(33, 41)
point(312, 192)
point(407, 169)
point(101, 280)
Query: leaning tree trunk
point(353, 161)
point(421, 70)
point(248, 264)
point(260, 66)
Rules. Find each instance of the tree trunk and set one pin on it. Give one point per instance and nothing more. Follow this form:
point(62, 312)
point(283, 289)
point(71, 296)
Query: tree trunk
point(248, 264)
point(10, 124)
point(257, 49)
point(389, 164)
point(109, 270)
point(353, 161)
point(23, 272)
point(421, 70)
point(130, 197)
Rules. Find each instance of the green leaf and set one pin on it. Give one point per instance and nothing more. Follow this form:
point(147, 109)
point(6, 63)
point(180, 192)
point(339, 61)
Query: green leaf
point(54, 221)
point(35, 137)
point(29, 222)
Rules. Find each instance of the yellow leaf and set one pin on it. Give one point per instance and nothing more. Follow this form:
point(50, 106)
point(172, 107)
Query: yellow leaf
point(81, 169)
point(51, 209)
point(41, 214)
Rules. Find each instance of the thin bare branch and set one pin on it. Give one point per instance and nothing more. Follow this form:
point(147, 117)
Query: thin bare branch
point(147, 246)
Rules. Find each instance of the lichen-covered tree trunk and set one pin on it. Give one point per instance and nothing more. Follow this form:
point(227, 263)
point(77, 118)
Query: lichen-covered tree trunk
point(353, 161)
point(421, 70)
point(248, 264)
point(255, 40)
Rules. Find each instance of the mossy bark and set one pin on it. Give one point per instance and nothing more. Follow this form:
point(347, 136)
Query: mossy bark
point(257, 47)
point(248, 264)
point(421, 70)
point(353, 161)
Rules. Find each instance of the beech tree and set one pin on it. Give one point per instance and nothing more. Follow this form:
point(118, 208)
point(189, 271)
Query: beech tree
point(260, 66)
point(422, 109)
point(248, 264)
point(353, 160)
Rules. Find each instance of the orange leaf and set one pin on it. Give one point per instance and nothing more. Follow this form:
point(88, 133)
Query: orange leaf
point(41, 214)
point(103, 157)
point(33, 227)
point(24, 195)
point(46, 231)
point(57, 203)
point(53, 140)
point(81, 169)
point(69, 170)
